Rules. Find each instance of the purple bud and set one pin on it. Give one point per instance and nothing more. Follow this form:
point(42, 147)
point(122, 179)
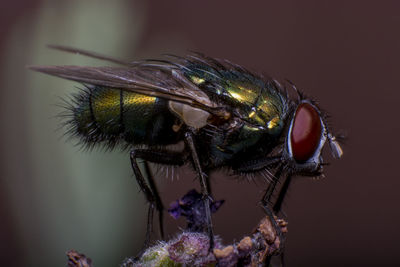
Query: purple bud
point(192, 207)
point(175, 210)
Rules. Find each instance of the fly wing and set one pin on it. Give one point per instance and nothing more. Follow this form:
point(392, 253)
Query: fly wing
point(159, 81)
point(87, 53)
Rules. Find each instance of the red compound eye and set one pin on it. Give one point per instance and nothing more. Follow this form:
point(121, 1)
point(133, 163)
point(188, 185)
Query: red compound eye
point(306, 132)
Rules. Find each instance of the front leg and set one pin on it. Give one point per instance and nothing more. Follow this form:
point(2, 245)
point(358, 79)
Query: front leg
point(257, 165)
point(204, 183)
point(266, 204)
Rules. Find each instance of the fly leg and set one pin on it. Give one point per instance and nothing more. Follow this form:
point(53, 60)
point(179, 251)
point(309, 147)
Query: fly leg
point(158, 202)
point(256, 164)
point(149, 196)
point(204, 183)
point(282, 194)
point(150, 190)
point(278, 205)
point(266, 204)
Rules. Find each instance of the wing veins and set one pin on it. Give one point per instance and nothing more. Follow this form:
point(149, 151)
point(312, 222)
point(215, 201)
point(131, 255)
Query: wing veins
point(176, 87)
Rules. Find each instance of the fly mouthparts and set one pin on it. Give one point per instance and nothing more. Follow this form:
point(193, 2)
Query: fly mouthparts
point(336, 149)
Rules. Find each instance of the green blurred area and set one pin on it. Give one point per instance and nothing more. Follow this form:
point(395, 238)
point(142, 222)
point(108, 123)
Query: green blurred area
point(60, 197)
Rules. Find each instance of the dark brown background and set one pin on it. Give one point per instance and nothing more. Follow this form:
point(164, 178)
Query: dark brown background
point(346, 54)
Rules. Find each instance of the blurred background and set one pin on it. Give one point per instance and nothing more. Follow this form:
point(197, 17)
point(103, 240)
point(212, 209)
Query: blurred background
point(55, 197)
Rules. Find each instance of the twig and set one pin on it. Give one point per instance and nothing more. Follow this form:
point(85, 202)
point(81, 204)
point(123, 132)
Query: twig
point(76, 259)
point(192, 246)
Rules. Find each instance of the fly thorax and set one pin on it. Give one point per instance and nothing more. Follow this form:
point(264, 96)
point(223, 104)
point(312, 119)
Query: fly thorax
point(191, 116)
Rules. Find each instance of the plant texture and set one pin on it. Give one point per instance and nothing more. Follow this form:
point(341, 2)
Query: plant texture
point(191, 247)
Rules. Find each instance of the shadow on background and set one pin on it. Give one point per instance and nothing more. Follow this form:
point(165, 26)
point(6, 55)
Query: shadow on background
point(54, 197)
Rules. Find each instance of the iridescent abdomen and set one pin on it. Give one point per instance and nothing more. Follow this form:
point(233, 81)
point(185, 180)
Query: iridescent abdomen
point(110, 116)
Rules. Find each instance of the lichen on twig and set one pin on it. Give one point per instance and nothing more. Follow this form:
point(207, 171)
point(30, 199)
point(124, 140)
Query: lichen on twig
point(76, 259)
point(192, 246)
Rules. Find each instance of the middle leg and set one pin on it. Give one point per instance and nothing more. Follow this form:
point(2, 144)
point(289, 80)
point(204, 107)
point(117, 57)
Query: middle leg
point(204, 183)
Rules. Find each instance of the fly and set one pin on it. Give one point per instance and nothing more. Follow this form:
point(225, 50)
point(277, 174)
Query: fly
point(226, 116)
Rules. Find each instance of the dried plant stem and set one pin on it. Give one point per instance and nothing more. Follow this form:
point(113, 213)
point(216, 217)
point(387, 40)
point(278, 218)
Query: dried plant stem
point(192, 247)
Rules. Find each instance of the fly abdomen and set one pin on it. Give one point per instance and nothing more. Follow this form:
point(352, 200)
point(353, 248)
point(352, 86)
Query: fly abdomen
point(108, 116)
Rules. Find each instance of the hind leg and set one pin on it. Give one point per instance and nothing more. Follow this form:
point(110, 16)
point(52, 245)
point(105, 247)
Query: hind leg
point(150, 189)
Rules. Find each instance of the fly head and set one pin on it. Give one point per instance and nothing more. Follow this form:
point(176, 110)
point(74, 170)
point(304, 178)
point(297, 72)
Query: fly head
point(308, 132)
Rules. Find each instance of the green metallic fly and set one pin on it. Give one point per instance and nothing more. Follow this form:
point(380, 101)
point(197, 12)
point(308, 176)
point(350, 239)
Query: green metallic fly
point(226, 117)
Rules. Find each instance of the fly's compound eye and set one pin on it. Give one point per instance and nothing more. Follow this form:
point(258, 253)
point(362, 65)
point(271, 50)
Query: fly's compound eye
point(305, 136)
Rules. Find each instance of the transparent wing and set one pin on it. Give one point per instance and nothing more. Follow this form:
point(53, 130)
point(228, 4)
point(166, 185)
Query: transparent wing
point(87, 53)
point(154, 80)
